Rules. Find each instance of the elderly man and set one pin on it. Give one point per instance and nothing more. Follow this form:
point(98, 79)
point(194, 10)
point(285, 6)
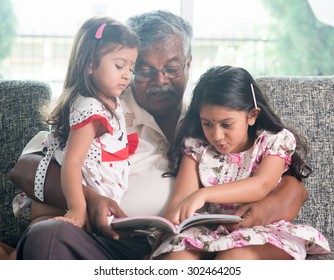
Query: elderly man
point(153, 108)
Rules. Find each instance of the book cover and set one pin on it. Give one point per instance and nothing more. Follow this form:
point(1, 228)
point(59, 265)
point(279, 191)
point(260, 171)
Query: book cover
point(151, 223)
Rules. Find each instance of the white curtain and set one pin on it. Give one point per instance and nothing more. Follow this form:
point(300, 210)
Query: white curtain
point(323, 10)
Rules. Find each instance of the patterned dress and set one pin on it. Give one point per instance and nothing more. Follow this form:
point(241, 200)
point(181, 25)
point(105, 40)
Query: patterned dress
point(215, 168)
point(106, 166)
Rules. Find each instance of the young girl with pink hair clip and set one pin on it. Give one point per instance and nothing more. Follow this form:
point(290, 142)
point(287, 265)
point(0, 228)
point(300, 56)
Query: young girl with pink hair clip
point(88, 135)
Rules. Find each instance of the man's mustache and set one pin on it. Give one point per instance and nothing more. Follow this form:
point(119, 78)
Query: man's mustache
point(154, 90)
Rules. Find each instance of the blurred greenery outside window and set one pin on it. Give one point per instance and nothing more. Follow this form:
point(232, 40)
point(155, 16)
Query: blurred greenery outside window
point(267, 37)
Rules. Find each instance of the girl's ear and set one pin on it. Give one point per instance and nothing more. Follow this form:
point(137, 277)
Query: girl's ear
point(252, 116)
point(90, 69)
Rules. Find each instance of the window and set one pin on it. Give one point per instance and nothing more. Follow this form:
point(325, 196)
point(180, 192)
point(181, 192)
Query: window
point(233, 32)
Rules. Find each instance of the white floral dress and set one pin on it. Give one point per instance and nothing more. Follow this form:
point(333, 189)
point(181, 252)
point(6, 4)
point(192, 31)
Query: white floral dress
point(216, 168)
point(106, 166)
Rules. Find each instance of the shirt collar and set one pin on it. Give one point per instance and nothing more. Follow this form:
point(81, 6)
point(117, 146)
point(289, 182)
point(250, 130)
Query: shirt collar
point(135, 115)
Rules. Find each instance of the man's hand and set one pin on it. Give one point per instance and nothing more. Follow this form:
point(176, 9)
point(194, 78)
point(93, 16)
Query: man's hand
point(253, 214)
point(283, 203)
point(99, 209)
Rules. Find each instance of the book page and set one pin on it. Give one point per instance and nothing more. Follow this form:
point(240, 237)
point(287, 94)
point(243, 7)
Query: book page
point(145, 222)
point(206, 219)
point(150, 223)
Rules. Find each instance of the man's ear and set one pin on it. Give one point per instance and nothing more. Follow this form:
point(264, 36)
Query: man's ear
point(189, 60)
point(252, 116)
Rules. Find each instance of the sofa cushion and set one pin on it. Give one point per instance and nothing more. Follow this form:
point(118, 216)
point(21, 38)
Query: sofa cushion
point(307, 104)
point(19, 122)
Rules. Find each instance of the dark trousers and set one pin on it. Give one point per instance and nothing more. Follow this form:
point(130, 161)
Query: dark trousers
point(59, 240)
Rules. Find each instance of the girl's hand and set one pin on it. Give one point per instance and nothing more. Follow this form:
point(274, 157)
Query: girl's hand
point(187, 207)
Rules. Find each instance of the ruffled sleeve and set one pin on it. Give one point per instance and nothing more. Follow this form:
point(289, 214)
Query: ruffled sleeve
point(194, 148)
point(133, 142)
point(282, 144)
point(86, 109)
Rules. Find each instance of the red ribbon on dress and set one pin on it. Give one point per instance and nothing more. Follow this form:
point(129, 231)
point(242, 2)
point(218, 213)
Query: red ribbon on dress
point(123, 154)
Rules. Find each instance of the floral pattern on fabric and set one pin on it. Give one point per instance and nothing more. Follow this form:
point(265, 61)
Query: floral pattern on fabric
point(296, 240)
point(216, 168)
point(21, 207)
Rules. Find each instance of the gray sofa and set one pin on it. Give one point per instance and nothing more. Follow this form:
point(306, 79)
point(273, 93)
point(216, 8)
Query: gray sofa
point(20, 121)
point(304, 102)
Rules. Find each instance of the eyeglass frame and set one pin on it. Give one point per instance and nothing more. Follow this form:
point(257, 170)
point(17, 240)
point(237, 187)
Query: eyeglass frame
point(153, 73)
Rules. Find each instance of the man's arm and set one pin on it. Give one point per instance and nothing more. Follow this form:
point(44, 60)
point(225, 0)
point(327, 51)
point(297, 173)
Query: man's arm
point(283, 203)
point(23, 175)
point(98, 207)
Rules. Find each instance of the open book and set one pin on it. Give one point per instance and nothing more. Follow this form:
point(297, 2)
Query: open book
point(151, 223)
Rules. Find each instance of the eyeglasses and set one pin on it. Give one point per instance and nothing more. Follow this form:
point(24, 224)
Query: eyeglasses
point(170, 72)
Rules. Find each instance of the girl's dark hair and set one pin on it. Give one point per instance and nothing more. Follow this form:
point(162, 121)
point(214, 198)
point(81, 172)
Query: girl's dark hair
point(231, 87)
point(88, 50)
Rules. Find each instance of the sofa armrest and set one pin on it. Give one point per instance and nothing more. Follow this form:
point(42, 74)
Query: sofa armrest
point(20, 102)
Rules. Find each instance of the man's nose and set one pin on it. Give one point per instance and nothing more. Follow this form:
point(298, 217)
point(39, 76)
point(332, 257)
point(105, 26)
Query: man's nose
point(160, 77)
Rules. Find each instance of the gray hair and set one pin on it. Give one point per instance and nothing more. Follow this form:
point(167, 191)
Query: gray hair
point(160, 27)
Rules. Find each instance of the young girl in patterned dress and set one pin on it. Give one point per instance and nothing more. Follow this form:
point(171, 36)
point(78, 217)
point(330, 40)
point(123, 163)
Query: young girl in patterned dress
point(233, 149)
point(88, 137)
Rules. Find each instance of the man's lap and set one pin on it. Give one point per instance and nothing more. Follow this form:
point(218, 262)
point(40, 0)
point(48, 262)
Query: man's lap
point(57, 240)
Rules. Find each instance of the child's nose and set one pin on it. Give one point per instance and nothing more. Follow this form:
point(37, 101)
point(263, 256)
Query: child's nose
point(127, 75)
point(218, 134)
